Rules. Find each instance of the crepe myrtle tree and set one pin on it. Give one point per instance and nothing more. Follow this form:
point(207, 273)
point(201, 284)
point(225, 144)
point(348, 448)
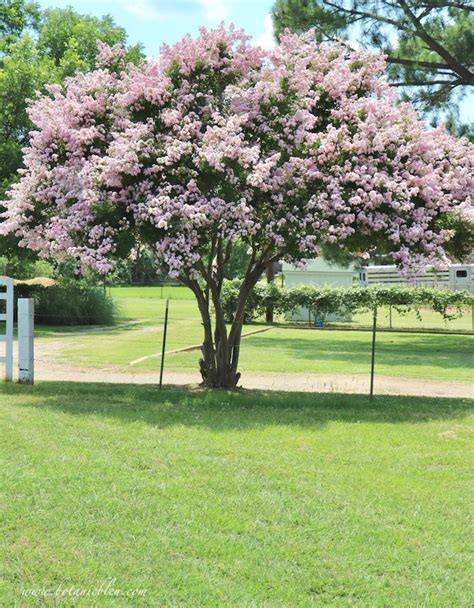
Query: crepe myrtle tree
point(219, 142)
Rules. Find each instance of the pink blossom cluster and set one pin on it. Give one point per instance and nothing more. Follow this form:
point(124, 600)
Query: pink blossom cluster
point(285, 150)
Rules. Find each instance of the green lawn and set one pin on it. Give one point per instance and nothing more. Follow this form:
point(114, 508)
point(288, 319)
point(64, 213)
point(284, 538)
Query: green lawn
point(348, 352)
point(163, 292)
point(234, 499)
point(429, 320)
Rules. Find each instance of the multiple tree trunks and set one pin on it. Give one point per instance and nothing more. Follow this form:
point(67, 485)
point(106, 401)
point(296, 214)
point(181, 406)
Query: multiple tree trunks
point(220, 350)
point(221, 346)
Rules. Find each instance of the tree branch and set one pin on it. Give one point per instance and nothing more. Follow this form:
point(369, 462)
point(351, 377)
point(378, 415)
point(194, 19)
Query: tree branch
point(366, 15)
point(424, 83)
point(416, 63)
point(434, 45)
point(459, 5)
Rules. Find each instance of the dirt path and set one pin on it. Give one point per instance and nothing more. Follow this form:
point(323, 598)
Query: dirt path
point(340, 383)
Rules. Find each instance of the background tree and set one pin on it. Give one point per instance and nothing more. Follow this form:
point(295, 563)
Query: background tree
point(37, 48)
point(238, 261)
point(429, 43)
point(221, 143)
point(15, 17)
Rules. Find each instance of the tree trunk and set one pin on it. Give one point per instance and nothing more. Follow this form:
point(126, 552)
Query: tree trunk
point(221, 348)
point(220, 357)
point(221, 351)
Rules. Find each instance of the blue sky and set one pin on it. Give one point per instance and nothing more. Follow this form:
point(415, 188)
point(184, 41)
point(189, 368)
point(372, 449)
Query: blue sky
point(153, 22)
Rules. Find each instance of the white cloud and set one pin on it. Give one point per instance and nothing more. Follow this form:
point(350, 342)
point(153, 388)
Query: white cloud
point(267, 38)
point(217, 10)
point(141, 9)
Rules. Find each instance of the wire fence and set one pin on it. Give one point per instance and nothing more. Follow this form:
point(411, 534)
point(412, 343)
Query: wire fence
point(391, 318)
point(279, 356)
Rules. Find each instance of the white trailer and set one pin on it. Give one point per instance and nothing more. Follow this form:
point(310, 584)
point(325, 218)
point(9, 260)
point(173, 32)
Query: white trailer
point(455, 277)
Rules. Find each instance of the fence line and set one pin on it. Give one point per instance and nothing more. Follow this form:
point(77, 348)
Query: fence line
point(130, 334)
point(422, 325)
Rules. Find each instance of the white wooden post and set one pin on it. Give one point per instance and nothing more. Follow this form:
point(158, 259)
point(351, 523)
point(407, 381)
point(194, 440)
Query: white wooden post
point(26, 324)
point(6, 295)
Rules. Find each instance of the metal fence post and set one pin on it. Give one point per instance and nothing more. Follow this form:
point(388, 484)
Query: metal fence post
point(163, 348)
point(372, 364)
point(26, 322)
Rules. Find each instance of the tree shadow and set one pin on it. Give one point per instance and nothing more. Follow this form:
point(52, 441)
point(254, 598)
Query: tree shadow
point(220, 410)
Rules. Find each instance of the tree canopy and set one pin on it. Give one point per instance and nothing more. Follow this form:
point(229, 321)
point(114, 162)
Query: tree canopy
point(221, 142)
point(429, 44)
point(15, 17)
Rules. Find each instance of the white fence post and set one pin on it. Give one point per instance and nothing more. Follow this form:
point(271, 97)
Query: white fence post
point(26, 324)
point(6, 295)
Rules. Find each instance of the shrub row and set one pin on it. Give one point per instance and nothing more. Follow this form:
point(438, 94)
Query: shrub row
point(322, 301)
point(70, 304)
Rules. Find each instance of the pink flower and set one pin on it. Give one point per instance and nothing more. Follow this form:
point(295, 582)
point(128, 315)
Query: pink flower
point(286, 151)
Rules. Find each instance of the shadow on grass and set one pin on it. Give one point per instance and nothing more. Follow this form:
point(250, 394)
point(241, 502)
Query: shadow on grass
point(225, 410)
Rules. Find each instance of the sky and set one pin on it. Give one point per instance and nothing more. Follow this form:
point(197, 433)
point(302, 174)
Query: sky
point(153, 22)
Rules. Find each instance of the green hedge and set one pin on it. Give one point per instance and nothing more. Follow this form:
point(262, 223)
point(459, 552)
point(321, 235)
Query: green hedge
point(71, 304)
point(322, 301)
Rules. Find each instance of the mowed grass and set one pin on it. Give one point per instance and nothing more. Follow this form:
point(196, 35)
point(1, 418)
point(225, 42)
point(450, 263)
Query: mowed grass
point(280, 350)
point(162, 292)
point(285, 350)
point(428, 319)
point(234, 499)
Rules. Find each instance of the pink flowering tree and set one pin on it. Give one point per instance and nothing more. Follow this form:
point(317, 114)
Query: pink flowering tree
point(219, 142)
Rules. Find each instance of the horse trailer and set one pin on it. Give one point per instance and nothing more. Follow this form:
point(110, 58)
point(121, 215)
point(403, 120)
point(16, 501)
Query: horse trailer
point(454, 277)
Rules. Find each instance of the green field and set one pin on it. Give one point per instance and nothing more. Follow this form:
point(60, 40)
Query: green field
point(282, 349)
point(163, 292)
point(429, 319)
point(234, 499)
point(311, 351)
